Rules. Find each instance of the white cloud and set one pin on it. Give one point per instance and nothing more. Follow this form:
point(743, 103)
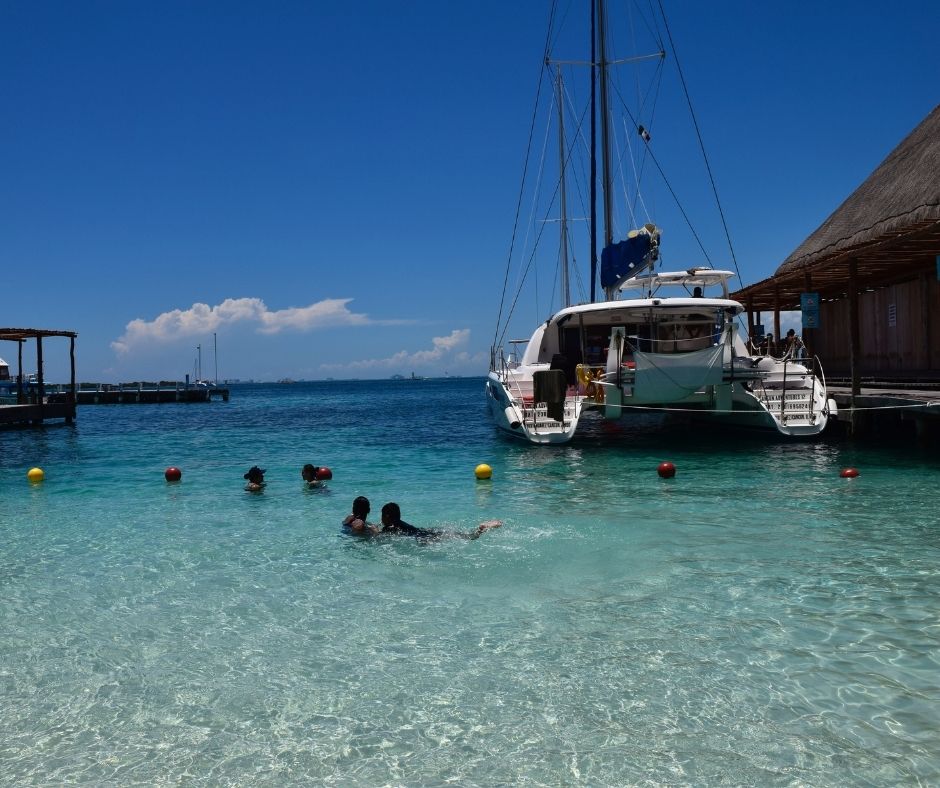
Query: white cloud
point(442, 347)
point(201, 319)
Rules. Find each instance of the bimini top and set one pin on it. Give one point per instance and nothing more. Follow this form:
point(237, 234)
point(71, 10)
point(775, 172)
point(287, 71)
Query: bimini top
point(693, 277)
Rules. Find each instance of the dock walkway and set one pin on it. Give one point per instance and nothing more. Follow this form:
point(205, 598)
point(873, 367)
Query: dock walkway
point(138, 393)
point(889, 409)
point(30, 409)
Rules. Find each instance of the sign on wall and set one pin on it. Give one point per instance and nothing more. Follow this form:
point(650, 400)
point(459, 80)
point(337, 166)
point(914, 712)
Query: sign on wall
point(809, 306)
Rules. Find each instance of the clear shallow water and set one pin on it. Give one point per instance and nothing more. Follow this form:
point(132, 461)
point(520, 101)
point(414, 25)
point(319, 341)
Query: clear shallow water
point(755, 621)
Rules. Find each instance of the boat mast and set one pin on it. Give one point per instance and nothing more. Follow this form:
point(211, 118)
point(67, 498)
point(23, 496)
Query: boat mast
point(593, 154)
point(605, 124)
point(565, 286)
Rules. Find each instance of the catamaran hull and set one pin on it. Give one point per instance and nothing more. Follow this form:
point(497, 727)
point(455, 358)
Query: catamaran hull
point(653, 355)
point(529, 421)
point(796, 413)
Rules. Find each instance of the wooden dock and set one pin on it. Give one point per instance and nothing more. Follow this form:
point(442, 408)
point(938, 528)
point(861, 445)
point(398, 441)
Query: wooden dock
point(139, 393)
point(57, 402)
point(25, 403)
point(889, 411)
point(35, 414)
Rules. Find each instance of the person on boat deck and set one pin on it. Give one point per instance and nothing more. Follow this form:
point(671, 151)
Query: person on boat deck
point(697, 292)
point(309, 474)
point(393, 524)
point(768, 347)
point(356, 522)
point(255, 477)
point(794, 345)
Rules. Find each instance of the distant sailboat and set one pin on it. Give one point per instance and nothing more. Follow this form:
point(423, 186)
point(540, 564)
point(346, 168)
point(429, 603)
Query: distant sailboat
point(197, 371)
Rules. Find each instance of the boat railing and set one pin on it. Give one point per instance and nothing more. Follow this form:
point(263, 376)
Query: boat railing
point(672, 345)
point(790, 388)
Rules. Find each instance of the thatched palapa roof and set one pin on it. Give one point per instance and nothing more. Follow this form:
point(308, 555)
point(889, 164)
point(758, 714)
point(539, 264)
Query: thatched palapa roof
point(889, 224)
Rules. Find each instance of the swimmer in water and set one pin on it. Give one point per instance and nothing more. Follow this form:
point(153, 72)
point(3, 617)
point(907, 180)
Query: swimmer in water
point(393, 524)
point(356, 522)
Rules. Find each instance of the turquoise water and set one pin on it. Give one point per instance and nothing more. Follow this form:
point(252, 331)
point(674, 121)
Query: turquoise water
point(756, 620)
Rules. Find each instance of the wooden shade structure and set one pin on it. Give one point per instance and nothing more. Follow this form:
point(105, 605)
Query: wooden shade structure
point(36, 412)
point(887, 232)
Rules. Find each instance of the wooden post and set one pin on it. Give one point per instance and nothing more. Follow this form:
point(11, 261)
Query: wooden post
point(808, 333)
point(19, 372)
point(777, 336)
point(70, 415)
point(925, 281)
point(41, 387)
point(854, 332)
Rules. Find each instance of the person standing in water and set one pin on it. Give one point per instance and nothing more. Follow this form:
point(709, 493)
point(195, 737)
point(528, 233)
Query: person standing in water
point(255, 477)
point(309, 474)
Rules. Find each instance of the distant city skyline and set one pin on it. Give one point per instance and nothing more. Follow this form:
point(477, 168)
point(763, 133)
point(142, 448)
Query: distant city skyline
point(330, 189)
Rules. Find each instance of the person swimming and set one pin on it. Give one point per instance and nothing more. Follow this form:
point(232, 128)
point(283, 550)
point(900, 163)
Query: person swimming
point(356, 522)
point(393, 524)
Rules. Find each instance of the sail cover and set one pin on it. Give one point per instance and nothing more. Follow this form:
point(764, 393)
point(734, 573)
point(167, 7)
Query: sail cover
point(671, 377)
point(625, 259)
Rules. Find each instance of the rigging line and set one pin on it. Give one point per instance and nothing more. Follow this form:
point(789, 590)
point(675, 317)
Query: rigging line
point(631, 204)
point(578, 136)
point(655, 83)
point(538, 188)
point(643, 100)
point(576, 268)
point(659, 84)
point(637, 176)
point(675, 197)
point(525, 168)
point(701, 142)
point(528, 266)
point(525, 275)
point(498, 340)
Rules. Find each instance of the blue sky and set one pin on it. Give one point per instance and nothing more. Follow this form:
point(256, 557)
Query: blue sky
point(330, 187)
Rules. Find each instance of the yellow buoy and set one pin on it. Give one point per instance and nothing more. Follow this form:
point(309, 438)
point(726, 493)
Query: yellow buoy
point(35, 474)
point(483, 471)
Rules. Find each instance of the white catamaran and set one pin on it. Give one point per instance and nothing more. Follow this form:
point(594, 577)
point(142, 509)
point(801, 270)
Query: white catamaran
point(658, 341)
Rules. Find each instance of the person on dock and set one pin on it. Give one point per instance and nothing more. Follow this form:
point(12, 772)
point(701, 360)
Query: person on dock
point(356, 522)
point(309, 474)
point(393, 524)
point(255, 477)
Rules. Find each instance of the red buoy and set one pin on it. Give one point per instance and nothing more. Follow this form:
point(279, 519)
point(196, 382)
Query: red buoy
point(848, 473)
point(324, 474)
point(666, 470)
point(172, 474)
